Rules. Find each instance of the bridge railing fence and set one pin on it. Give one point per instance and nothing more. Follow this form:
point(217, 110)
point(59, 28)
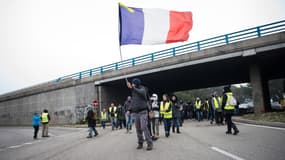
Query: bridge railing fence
point(242, 35)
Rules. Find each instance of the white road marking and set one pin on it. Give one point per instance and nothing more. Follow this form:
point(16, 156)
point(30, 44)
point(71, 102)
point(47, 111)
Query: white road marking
point(261, 126)
point(27, 143)
point(17, 146)
point(226, 153)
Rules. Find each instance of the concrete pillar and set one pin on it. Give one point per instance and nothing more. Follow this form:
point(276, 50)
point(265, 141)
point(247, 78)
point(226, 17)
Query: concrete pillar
point(260, 90)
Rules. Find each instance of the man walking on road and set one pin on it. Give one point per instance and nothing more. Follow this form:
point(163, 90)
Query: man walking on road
point(113, 113)
point(198, 105)
point(228, 104)
point(140, 109)
point(127, 107)
point(91, 123)
point(45, 118)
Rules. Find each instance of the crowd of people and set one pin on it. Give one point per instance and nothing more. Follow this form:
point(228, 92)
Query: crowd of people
point(148, 114)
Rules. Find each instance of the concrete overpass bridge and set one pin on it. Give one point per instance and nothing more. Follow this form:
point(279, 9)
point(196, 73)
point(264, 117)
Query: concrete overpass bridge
point(254, 55)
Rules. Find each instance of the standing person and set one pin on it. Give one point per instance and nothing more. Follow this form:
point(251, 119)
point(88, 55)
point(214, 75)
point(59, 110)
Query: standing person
point(198, 105)
point(222, 114)
point(113, 113)
point(36, 124)
point(121, 114)
point(206, 109)
point(216, 102)
point(45, 118)
point(140, 109)
point(128, 115)
point(211, 114)
point(91, 123)
point(228, 105)
point(181, 120)
point(175, 114)
point(166, 111)
point(155, 119)
point(103, 118)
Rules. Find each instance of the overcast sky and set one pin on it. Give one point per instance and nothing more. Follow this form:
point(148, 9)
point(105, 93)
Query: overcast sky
point(41, 40)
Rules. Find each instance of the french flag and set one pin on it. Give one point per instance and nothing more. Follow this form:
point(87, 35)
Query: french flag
point(153, 26)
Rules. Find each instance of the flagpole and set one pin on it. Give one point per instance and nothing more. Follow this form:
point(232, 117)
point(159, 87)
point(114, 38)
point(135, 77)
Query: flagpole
point(119, 33)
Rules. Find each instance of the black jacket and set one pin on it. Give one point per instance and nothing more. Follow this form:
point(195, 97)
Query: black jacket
point(90, 118)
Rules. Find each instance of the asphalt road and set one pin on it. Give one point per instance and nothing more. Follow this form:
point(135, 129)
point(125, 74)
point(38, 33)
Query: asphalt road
point(198, 141)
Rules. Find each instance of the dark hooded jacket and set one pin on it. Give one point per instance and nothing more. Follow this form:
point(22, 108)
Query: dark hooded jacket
point(139, 99)
point(90, 118)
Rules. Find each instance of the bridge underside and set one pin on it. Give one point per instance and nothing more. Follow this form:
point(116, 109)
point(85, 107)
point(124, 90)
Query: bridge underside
point(257, 69)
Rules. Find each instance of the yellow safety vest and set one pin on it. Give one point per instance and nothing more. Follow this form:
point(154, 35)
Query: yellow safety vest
point(216, 103)
point(228, 106)
point(103, 116)
point(198, 104)
point(164, 108)
point(115, 109)
point(44, 117)
point(220, 100)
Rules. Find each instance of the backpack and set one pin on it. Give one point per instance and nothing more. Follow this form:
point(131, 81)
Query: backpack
point(232, 101)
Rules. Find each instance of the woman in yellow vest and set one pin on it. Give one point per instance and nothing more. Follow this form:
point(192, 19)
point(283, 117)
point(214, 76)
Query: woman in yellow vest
point(103, 117)
point(166, 112)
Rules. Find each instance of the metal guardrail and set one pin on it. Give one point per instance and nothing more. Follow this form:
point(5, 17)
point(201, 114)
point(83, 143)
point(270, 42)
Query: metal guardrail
point(183, 49)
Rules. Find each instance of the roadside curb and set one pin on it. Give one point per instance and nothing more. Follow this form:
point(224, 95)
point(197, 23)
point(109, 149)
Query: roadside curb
point(269, 124)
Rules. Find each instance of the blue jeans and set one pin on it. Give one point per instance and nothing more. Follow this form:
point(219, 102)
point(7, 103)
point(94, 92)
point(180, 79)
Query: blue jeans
point(103, 123)
point(199, 115)
point(92, 129)
point(114, 122)
point(176, 123)
point(211, 115)
point(167, 125)
point(129, 122)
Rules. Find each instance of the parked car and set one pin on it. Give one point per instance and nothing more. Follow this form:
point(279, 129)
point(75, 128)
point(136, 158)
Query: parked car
point(276, 106)
point(246, 107)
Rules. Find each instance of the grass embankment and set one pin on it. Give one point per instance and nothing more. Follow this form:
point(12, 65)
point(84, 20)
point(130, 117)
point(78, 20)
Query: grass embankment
point(269, 117)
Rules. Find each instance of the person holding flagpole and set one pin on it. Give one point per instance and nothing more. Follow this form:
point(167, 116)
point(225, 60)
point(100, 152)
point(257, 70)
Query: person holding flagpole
point(140, 109)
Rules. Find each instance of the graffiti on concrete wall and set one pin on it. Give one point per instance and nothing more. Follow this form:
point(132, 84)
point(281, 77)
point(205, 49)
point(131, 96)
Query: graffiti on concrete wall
point(62, 116)
point(80, 113)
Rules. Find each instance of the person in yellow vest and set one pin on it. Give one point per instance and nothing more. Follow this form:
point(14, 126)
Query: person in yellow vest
point(45, 118)
point(211, 113)
point(222, 114)
point(198, 105)
point(206, 108)
point(113, 113)
point(166, 112)
point(103, 118)
point(228, 105)
point(217, 104)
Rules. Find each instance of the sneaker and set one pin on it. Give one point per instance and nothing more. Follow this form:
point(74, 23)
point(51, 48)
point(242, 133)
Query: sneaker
point(149, 147)
point(89, 137)
point(140, 146)
point(228, 132)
